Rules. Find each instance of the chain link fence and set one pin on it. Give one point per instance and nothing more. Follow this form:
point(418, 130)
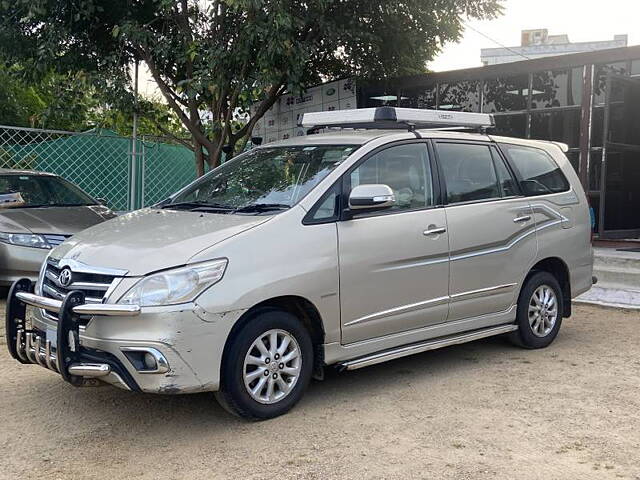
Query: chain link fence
point(102, 163)
point(167, 167)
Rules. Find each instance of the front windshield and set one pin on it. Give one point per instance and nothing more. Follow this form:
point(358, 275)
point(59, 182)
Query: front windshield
point(32, 191)
point(268, 177)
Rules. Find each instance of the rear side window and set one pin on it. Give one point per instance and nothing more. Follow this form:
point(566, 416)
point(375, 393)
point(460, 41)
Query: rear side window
point(539, 173)
point(469, 173)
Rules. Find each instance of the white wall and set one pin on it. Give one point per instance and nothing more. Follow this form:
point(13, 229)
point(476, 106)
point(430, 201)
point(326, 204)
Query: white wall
point(281, 121)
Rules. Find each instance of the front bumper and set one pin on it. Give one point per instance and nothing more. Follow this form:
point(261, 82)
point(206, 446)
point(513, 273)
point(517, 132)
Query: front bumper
point(94, 342)
point(63, 354)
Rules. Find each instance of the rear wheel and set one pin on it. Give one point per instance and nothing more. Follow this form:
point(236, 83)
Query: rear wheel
point(267, 367)
point(540, 308)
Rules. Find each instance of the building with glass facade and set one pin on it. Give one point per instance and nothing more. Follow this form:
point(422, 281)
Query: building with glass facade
point(538, 44)
point(590, 101)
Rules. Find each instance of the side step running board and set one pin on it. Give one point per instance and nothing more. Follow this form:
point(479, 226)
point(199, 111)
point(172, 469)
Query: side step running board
point(434, 344)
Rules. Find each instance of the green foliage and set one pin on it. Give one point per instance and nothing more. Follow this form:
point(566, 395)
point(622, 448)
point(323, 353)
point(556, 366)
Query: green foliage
point(19, 103)
point(55, 100)
point(72, 102)
point(221, 56)
point(155, 118)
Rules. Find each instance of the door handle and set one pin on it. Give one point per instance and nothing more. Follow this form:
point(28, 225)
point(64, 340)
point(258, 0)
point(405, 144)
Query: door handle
point(434, 231)
point(522, 219)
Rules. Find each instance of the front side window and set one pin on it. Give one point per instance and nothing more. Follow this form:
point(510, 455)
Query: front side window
point(468, 171)
point(33, 191)
point(539, 173)
point(404, 168)
point(327, 208)
point(268, 178)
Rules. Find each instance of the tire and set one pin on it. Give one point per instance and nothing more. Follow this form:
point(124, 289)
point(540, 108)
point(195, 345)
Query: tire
point(540, 328)
point(245, 363)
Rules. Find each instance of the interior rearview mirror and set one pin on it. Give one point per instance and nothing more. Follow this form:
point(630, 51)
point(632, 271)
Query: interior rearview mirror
point(371, 197)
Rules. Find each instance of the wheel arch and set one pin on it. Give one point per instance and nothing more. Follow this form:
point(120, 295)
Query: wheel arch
point(301, 308)
point(559, 269)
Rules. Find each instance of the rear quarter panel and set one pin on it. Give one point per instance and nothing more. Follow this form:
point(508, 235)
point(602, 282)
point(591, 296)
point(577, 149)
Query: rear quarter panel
point(563, 221)
point(571, 241)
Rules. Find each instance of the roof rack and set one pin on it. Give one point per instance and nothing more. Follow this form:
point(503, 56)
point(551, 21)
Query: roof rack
point(397, 118)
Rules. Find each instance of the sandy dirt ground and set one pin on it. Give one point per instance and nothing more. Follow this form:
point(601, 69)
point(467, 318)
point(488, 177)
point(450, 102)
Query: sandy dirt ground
point(479, 411)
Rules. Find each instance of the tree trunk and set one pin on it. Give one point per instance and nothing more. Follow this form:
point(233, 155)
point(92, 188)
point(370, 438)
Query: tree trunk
point(214, 159)
point(215, 154)
point(200, 158)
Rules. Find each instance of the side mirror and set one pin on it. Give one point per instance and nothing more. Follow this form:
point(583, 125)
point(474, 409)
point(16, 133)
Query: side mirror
point(371, 197)
point(101, 201)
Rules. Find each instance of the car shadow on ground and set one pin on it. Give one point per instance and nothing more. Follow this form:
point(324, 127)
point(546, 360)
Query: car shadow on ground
point(200, 412)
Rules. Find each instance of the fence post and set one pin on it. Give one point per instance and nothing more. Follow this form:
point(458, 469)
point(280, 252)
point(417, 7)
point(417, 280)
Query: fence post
point(134, 187)
point(136, 175)
point(143, 171)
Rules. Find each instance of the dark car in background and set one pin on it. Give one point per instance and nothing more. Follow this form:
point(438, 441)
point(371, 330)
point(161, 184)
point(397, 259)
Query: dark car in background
point(39, 211)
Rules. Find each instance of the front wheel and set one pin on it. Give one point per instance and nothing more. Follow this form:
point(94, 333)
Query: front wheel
point(540, 308)
point(267, 367)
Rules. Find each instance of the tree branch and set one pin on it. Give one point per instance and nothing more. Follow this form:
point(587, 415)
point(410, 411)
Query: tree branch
point(172, 135)
point(194, 129)
point(272, 95)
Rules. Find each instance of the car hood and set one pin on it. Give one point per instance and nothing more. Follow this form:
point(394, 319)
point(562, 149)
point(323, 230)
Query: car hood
point(52, 220)
point(149, 240)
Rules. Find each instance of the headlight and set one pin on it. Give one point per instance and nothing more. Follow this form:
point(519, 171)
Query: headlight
point(175, 286)
point(24, 240)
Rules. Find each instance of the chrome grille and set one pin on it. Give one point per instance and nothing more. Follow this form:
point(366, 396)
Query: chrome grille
point(55, 240)
point(93, 285)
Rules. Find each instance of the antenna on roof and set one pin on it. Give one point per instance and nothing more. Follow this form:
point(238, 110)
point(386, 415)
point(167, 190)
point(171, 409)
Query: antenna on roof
point(397, 118)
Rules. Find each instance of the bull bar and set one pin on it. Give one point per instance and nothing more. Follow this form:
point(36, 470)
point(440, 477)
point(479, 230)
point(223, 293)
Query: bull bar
point(77, 365)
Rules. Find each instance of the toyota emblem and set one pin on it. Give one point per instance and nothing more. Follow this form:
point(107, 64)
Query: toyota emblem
point(65, 277)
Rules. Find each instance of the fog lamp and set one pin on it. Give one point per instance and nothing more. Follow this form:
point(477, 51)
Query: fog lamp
point(150, 361)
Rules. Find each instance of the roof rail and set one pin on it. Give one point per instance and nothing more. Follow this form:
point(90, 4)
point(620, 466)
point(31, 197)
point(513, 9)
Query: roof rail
point(397, 118)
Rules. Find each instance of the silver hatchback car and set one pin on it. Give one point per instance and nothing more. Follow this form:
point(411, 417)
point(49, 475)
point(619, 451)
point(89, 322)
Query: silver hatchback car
point(347, 248)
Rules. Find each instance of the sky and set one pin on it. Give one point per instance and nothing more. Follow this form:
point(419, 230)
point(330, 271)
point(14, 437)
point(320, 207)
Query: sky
point(582, 20)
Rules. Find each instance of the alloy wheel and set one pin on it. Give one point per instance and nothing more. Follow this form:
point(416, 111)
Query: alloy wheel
point(543, 311)
point(272, 366)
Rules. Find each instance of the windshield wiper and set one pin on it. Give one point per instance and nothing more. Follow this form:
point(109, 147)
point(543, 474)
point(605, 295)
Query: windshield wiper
point(185, 205)
point(214, 207)
point(219, 207)
point(198, 206)
point(58, 205)
point(262, 207)
point(44, 205)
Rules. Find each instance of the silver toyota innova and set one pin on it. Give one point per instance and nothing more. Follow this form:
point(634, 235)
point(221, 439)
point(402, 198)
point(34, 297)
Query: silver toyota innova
point(392, 234)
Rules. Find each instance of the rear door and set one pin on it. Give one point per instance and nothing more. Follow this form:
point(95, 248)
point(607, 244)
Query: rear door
point(492, 232)
point(394, 264)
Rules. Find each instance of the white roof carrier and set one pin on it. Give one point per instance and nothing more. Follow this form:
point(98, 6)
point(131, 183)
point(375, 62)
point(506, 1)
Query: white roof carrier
point(394, 118)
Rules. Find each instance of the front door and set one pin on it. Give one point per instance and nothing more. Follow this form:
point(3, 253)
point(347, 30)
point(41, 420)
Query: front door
point(491, 229)
point(394, 268)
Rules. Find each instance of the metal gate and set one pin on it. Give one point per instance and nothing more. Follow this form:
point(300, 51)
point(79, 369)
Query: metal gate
point(620, 170)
